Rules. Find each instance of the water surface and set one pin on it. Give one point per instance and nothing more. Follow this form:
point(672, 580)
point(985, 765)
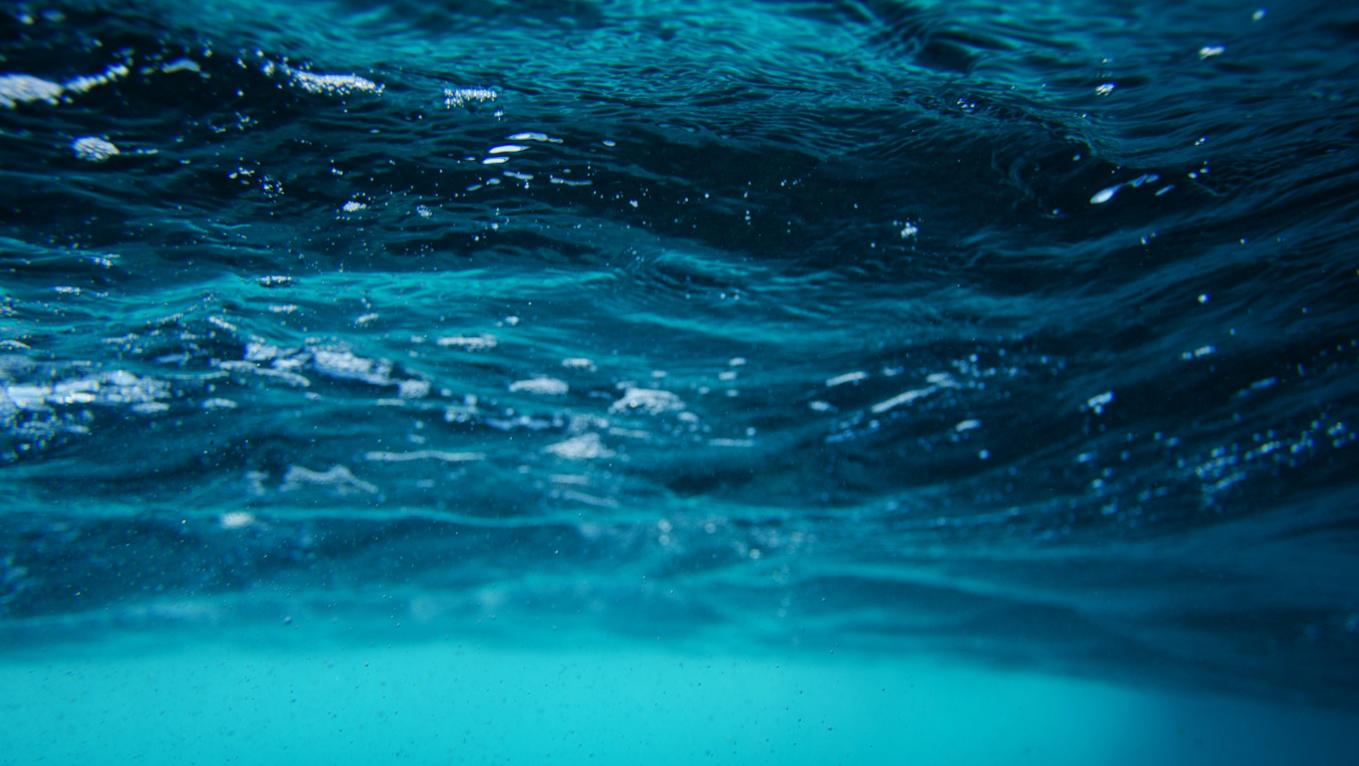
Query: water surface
point(673, 352)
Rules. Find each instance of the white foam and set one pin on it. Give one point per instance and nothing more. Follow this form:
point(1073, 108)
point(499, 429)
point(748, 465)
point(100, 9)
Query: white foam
point(584, 447)
point(86, 83)
point(335, 84)
point(338, 477)
point(290, 378)
point(568, 182)
point(905, 397)
point(94, 149)
point(531, 136)
point(541, 385)
point(343, 364)
point(412, 389)
point(849, 377)
point(468, 342)
point(22, 89)
point(456, 97)
point(236, 520)
point(424, 454)
point(652, 401)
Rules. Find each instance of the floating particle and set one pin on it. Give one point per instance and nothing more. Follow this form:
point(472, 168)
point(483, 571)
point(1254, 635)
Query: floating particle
point(1098, 402)
point(1199, 352)
point(1104, 195)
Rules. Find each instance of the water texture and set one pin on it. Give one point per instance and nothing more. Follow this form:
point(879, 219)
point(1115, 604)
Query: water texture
point(1021, 335)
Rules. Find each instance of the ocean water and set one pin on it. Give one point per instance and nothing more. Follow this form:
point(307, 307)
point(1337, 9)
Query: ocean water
point(615, 382)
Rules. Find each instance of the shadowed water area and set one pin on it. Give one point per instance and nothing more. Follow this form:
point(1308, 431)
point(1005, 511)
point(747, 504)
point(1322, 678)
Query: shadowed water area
point(1020, 337)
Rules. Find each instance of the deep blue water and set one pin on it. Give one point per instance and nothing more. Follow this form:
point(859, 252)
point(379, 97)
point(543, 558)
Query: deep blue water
point(605, 334)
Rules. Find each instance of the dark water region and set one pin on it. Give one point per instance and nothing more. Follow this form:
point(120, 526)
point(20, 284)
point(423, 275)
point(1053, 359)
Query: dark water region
point(1021, 333)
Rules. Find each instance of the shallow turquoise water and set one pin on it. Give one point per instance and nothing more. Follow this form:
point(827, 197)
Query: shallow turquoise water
point(453, 702)
point(852, 381)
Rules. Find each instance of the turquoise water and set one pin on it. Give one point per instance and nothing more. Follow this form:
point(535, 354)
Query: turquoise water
point(249, 701)
point(605, 381)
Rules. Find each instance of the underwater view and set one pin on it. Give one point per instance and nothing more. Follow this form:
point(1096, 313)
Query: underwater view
point(679, 381)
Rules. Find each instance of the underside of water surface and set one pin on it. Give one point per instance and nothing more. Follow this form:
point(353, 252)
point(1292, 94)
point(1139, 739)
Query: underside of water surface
point(863, 381)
